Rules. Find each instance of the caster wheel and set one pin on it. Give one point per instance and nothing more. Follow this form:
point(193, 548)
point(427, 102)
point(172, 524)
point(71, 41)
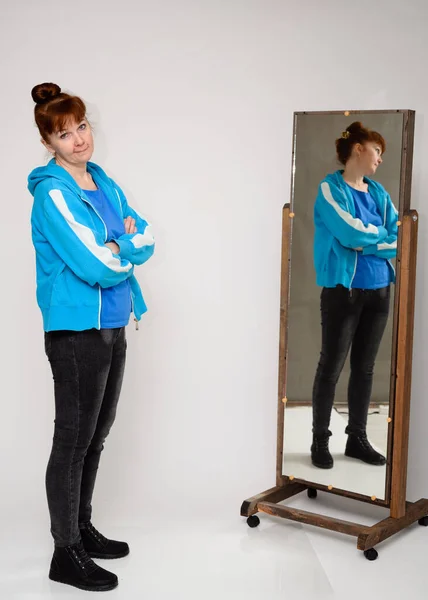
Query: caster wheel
point(423, 521)
point(253, 521)
point(312, 493)
point(371, 554)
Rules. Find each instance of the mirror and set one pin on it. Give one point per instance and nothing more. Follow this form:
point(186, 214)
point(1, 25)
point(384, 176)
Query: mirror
point(340, 317)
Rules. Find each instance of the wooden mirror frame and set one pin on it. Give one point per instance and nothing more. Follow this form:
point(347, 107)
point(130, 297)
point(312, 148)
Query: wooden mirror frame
point(402, 513)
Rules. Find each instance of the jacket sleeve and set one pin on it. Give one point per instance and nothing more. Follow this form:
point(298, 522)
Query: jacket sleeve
point(388, 247)
point(350, 231)
point(136, 247)
point(81, 248)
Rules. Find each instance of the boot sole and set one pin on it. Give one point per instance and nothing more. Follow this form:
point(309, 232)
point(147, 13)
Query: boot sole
point(107, 556)
point(320, 466)
point(375, 464)
point(99, 588)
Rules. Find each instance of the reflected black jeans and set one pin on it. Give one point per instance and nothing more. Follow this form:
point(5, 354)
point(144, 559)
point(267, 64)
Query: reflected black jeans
point(87, 368)
point(353, 319)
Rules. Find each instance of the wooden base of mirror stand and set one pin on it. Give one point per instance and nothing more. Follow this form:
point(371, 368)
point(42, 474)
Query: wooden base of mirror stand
point(367, 537)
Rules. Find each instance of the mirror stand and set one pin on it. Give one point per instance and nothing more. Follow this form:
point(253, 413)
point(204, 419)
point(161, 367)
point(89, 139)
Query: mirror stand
point(402, 513)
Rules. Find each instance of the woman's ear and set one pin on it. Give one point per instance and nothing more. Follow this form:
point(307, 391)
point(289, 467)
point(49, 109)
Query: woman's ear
point(47, 146)
point(358, 148)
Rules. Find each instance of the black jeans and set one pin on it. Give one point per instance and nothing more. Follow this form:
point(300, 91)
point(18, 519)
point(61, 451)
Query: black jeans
point(87, 369)
point(354, 318)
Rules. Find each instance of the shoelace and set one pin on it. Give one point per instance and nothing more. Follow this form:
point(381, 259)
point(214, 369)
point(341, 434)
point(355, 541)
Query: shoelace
point(321, 443)
point(363, 440)
point(96, 534)
point(82, 557)
point(365, 444)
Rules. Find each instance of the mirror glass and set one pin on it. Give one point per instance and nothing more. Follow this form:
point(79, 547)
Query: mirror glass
point(341, 298)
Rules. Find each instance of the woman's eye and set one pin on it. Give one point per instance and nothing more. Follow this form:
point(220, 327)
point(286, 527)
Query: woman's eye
point(63, 136)
point(83, 126)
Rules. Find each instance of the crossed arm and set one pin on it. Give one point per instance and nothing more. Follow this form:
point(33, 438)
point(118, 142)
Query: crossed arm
point(130, 227)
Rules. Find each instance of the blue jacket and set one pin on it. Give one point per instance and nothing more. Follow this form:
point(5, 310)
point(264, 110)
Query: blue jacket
point(72, 261)
point(338, 232)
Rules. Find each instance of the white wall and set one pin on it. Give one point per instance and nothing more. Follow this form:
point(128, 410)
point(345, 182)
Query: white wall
point(192, 102)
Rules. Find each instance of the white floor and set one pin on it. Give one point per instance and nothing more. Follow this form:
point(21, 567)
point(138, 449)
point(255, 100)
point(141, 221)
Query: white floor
point(347, 473)
point(208, 559)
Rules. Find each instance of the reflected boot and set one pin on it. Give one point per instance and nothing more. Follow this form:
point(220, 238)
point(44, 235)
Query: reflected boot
point(98, 546)
point(358, 446)
point(320, 453)
point(73, 566)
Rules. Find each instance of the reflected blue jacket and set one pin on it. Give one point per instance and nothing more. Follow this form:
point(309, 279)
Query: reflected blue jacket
point(72, 261)
point(338, 232)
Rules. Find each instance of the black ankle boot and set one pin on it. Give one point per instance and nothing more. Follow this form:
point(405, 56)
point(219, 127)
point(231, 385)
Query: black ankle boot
point(320, 453)
point(98, 546)
point(358, 446)
point(73, 566)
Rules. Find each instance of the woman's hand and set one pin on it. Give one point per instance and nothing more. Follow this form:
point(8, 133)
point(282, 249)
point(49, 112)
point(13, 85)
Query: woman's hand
point(129, 223)
point(113, 247)
point(358, 249)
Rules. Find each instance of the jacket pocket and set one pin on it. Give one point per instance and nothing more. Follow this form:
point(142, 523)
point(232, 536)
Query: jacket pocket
point(70, 290)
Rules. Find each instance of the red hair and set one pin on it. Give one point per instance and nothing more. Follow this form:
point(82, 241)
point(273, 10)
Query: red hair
point(356, 134)
point(55, 108)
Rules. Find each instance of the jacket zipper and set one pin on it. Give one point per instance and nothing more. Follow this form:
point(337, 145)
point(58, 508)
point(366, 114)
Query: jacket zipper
point(353, 275)
point(132, 302)
point(132, 309)
point(384, 223)
point(98, 215)
point(356, 254)
point(99, 310)
point(105, 240)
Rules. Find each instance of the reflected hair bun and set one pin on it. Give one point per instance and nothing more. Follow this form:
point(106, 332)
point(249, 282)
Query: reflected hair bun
point(356, 133)
point(45, 92)
point(357, 127)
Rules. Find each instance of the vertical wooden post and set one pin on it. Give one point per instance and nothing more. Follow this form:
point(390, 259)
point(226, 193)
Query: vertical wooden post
point(282, 363)
point(401, 419)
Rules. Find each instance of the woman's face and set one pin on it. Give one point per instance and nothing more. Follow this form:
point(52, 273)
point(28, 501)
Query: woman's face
point(369, 157)
point(74, 145)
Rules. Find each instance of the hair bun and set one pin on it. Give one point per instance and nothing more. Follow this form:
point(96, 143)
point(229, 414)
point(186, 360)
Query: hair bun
point(45, 92)
point(355, 127)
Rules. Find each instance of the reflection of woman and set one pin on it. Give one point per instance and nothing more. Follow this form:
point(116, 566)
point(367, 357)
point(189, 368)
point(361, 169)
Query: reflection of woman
point(355, 236)
point(87, 240)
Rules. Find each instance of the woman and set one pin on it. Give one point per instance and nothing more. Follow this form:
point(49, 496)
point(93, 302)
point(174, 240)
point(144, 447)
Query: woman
point(355, 236)
point(87, 240)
